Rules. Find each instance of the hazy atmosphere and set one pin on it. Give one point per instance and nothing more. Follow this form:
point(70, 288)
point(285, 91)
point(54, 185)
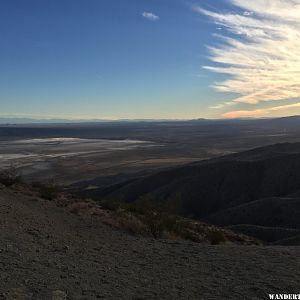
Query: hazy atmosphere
point(137, 59)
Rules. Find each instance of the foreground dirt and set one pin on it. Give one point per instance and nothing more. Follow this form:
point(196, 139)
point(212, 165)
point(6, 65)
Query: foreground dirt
point(49, 253)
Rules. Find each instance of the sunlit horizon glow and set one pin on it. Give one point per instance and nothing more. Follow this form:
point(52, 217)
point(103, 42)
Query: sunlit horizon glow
point(259, 53)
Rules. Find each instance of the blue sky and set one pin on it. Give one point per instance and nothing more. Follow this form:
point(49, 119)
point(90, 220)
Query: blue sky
point(118, 59)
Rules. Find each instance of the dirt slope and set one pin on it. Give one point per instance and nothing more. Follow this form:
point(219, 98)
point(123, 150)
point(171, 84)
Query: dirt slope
point(47, 253)
point(270, 212)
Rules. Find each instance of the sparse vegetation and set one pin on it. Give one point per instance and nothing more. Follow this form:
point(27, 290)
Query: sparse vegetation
point(142, 218)
point(155, 223)
point(10, 176)
point(145, 217)
point(47, 191)
point(216, 237)
point(110, 205)
point(132, 224)
point(77, 207)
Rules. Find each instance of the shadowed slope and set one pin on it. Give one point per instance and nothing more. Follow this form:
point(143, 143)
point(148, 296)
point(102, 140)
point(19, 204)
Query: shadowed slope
point(211, 186)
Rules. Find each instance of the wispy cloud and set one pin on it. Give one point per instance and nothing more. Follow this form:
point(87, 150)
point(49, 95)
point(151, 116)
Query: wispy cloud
point(150, 16)
point(259, 112)
point(260, 52)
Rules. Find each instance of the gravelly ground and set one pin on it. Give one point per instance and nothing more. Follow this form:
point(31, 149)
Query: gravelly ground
point(47, 253)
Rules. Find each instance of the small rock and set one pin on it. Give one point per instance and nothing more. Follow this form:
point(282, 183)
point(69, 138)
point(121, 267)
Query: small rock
point(59, 295)
point(20, 293)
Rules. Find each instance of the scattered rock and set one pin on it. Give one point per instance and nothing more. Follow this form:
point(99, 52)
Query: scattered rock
point(20, 293)
point(86, 259)
point(59, 295)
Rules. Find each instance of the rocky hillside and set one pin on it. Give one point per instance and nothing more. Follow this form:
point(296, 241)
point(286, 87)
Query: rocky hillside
point(259, 187)
point(51, 252)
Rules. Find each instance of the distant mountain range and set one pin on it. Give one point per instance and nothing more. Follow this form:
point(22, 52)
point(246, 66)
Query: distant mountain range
point(16, 120)
point(12, 121)
point(21, 120)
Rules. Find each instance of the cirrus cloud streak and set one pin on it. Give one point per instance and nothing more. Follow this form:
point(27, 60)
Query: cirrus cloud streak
point(259, 112)
point(260, 54)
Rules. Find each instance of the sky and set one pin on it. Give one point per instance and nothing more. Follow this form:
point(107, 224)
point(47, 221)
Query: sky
point(149, 59)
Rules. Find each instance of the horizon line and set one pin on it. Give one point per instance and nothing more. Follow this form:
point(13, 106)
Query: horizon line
point(52, 120)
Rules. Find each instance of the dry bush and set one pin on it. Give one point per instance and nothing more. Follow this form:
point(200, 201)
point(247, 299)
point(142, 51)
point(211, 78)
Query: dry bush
point(77, 207)
point(142, 217)
point(216, 237)
point(46, 191)
point(155, 223)
point(160, 223)
point(10, 176)
point(110, 205)
point(133, 224)
point(190, 235)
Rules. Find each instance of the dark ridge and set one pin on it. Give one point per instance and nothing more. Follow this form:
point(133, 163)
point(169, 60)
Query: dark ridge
point(259, 187)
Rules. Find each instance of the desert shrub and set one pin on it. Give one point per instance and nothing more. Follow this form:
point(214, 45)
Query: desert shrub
point(10, 176)
point(154, 223)
point(112, 205)
point(216, 237)
point(145, 215)
point(47, 191)
point(190, 235)
point(183, 229)
point(158, 223)
point(142, 205)
point(77, 207)
point(133, 224)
